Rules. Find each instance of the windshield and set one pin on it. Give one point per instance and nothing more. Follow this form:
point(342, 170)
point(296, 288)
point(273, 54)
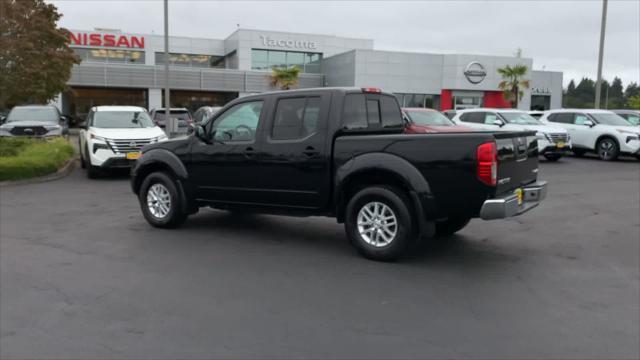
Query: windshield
point(121, 119)
point(432, 118)
point(519, 118)
point(180, 115)
point(609, 119)
point(33, 114)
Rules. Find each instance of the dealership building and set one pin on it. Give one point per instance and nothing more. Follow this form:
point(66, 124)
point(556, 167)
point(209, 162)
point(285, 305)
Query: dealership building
point(121, 68)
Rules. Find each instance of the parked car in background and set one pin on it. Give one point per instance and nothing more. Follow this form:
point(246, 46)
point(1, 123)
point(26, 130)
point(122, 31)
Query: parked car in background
point(553, 141)
point(181, 114)
point(536, 114)
point(339, 152)
point(113, 137)
point(599, 131)
point(424, 120)
point(34, 120)
point(632, 116)
point(449, 113)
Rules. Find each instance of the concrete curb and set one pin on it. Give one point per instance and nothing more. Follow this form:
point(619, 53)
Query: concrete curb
point(62, 172)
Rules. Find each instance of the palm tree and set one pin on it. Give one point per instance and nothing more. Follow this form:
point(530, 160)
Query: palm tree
point(512, 83)
point(285, 77)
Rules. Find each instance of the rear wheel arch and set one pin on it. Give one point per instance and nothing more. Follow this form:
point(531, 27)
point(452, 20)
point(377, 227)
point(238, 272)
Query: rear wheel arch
point(367, 170)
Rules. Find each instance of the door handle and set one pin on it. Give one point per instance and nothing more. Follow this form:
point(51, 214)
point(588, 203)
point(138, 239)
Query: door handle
point(310, 151)
point(249, 152)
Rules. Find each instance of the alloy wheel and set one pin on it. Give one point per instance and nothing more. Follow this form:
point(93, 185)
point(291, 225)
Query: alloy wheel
point(158, 201)
point(377, 224)
point(606, 149)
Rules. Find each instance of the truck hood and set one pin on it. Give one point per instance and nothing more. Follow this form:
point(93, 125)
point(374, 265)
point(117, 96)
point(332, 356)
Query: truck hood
point(130, 133)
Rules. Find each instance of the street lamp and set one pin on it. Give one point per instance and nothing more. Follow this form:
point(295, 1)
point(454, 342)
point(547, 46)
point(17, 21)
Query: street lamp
point(603, 24)
point(169, 121)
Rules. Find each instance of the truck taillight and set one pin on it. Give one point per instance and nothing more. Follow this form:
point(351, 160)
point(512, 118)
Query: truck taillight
point(487, 162)
point(371, 90)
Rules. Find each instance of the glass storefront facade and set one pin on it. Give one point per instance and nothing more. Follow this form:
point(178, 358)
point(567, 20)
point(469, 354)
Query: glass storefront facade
point(110, 56)
point(192, 60)
point(268, 59)
point(418, 100)
point(78, 100)
point(467, 102)
point(193, 100)
point(540, 102)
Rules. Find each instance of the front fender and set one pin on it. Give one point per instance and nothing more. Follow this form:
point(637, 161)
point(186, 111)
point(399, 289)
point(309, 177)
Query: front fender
point(157, 159)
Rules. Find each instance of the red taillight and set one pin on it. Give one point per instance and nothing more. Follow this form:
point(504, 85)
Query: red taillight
point(487, 160)
point(371, 90)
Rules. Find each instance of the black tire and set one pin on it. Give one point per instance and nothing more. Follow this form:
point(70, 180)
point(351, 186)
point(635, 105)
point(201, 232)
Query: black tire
point(552, 157)
point(607, 149)
point(578, 152)
point(93, 172)
point(83, 163)
point(398, 203)
point(451, 226)
point(177, 213)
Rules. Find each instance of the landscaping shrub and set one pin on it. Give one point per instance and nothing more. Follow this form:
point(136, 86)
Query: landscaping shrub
point(23, 158)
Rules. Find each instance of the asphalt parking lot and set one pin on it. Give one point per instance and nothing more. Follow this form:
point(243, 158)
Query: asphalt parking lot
point(83, 276)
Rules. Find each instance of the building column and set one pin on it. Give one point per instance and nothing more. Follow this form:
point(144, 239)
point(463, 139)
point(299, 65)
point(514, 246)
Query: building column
point(155, 98)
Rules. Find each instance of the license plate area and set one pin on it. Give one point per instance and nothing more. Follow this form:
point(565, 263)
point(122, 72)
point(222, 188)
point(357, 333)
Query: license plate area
point(133, 155)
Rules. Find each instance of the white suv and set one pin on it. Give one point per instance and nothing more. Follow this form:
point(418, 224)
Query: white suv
point(113, 136)
point(599, 131)
point(553, 141)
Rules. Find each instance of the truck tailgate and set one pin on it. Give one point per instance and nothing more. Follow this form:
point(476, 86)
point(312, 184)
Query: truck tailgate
point(517, 160)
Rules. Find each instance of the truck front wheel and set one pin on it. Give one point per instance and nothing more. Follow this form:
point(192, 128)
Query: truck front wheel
point(379, 223)
point(161, 201)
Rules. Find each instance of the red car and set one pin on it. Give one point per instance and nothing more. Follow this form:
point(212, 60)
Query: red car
point(424, 120)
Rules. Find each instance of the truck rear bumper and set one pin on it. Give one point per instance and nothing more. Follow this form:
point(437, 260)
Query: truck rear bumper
point(508, 205)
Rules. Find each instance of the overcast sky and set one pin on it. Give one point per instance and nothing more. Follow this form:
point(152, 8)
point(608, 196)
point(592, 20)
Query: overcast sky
point(558, 35)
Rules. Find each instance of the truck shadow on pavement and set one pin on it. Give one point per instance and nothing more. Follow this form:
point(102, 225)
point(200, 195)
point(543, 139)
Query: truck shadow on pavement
point(317, 235)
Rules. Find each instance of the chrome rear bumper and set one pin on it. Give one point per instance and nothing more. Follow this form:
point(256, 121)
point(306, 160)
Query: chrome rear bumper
point(507, 205)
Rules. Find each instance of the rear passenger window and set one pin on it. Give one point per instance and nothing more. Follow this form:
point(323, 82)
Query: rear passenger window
point(295, 118)
point(565, 118)
point(473, 117)
point(355, 112)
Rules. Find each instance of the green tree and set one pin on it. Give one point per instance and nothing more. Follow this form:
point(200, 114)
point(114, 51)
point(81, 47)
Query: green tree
point(513, 82)
point(616, 94)
point(35, 58)
point(634, 102)
point(285, 78)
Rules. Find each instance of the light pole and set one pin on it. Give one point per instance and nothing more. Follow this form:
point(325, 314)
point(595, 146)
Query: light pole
point(168, 121)
point(603, 24)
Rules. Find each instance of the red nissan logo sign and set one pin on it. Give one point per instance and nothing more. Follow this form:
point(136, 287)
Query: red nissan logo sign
point(107, 40)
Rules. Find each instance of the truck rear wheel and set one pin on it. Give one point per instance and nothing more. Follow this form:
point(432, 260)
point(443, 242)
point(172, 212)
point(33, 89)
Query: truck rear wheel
point(451, 226)
point(161, 201)
point(379, 223)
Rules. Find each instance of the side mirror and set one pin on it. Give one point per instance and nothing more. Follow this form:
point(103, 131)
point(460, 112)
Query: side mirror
point(588, 123)
point(498, 122)
point(2, 119)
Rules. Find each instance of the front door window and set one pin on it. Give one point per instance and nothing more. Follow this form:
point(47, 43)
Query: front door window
point(238, 123)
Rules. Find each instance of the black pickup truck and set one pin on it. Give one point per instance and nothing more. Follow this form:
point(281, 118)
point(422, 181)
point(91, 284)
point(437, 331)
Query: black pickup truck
point(339, 152)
